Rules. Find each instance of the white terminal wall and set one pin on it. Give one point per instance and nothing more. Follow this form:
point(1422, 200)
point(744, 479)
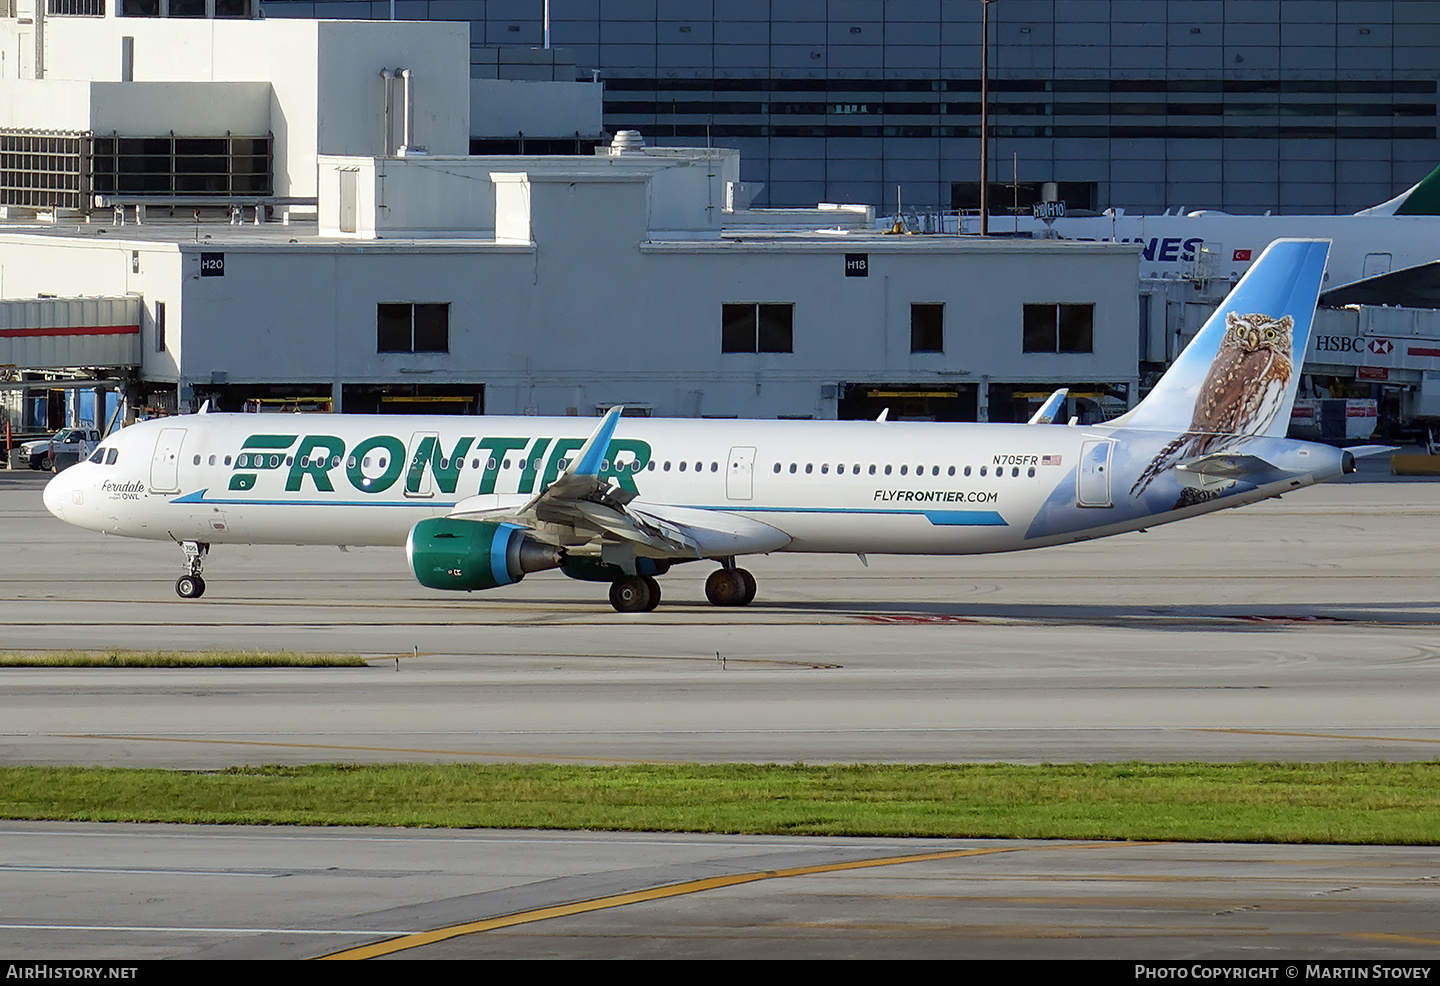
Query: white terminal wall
point(101, 266)
point(326, 94)
point(610, 316)
point(502, 107)
point(189, 109)
point(435, 195)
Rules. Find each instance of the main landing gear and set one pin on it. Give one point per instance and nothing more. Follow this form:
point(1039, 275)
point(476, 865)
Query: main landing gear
point(191, 585)
point(635, 594)
point(730, 586)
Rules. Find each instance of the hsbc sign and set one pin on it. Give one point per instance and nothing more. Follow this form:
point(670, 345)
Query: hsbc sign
point(1337, 344)
point(1374, 352)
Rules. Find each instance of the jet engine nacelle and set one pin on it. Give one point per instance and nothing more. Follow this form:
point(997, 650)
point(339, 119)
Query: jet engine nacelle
point(446, 553)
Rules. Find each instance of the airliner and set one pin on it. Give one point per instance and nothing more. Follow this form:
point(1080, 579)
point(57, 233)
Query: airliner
point(1399, 233)
point(481, 502)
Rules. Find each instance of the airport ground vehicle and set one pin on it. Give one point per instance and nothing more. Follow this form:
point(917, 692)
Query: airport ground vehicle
point(42, 453)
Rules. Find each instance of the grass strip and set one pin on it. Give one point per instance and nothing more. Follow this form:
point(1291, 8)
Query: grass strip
point(1344, 802)
point(175, 659)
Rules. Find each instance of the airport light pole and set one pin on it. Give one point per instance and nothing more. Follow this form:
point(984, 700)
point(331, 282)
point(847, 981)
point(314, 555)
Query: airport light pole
point(985, 116)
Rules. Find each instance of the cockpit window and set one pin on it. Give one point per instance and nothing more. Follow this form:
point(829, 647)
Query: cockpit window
point(104, 456)
point(111, 454)
point(98, 456)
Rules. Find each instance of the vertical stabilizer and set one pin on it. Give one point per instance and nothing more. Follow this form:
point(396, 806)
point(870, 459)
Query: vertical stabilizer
point(1420, 199)
point(1239, 374)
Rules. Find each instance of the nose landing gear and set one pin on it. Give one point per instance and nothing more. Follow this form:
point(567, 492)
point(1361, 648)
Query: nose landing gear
point(191, 585)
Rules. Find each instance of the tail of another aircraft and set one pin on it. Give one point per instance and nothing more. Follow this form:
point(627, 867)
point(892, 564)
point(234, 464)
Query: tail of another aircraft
point(1239, 374)
point(1420, 199)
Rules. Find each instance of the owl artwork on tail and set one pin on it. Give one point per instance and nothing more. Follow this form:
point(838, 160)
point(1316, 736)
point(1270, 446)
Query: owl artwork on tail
point(1241, 395)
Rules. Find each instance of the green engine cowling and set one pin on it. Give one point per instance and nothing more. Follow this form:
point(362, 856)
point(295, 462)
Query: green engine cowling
point(446, 553)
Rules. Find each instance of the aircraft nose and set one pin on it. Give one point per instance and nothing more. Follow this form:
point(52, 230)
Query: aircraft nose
point(58, 494)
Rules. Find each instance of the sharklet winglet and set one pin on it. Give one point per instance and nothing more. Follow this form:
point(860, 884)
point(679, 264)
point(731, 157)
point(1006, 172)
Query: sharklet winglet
point(592, 453)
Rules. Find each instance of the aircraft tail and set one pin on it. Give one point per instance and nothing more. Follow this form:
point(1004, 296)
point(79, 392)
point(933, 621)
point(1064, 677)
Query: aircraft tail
point(1239, 375)
point(1420, 199)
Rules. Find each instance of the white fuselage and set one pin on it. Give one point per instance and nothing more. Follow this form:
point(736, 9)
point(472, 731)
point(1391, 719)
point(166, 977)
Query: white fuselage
point(1215, 244)
point(852, 486)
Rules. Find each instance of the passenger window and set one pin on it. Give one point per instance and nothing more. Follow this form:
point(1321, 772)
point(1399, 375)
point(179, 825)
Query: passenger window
point(903, 469)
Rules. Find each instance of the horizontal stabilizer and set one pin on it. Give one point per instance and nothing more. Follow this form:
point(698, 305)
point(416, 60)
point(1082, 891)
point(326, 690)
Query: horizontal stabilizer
point(1362, 451)
point(1228, 465)
point(1209, 471)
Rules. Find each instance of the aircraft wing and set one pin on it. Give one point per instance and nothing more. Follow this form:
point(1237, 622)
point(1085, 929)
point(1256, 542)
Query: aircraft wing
point(580, 499)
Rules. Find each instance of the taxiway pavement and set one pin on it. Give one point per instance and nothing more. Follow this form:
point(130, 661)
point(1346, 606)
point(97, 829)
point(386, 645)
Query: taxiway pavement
point(1303, 628)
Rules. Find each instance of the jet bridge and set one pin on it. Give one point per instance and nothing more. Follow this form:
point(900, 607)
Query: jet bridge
point(66, 333)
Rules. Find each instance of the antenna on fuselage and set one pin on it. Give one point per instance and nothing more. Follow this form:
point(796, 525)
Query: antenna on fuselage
point(883, 415)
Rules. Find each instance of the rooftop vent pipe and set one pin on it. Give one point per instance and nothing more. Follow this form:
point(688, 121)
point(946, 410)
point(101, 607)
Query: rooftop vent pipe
point(627, 142)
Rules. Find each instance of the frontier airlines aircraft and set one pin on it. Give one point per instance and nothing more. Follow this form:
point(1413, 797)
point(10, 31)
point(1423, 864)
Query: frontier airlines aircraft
point(480, 502)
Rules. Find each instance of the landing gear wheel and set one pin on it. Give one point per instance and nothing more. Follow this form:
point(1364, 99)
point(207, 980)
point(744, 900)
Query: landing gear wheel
point(634, 594)
point(190, 587)
point(724, 587)
point(730, 587)
point(750, 587)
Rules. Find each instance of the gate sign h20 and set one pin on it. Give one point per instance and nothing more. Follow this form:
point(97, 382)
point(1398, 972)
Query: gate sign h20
point(212, 265)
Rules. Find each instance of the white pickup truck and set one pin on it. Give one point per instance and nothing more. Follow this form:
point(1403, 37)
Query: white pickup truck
point(40, 453)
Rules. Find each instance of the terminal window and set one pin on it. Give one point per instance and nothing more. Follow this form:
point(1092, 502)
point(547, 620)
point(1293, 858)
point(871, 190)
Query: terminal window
point(757, 328)
point(412, 328)
point(927, 328)
point(1059, 329)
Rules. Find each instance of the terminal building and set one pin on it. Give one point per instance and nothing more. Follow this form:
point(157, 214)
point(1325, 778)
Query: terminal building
point(1300, 106)
point(283, 213)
